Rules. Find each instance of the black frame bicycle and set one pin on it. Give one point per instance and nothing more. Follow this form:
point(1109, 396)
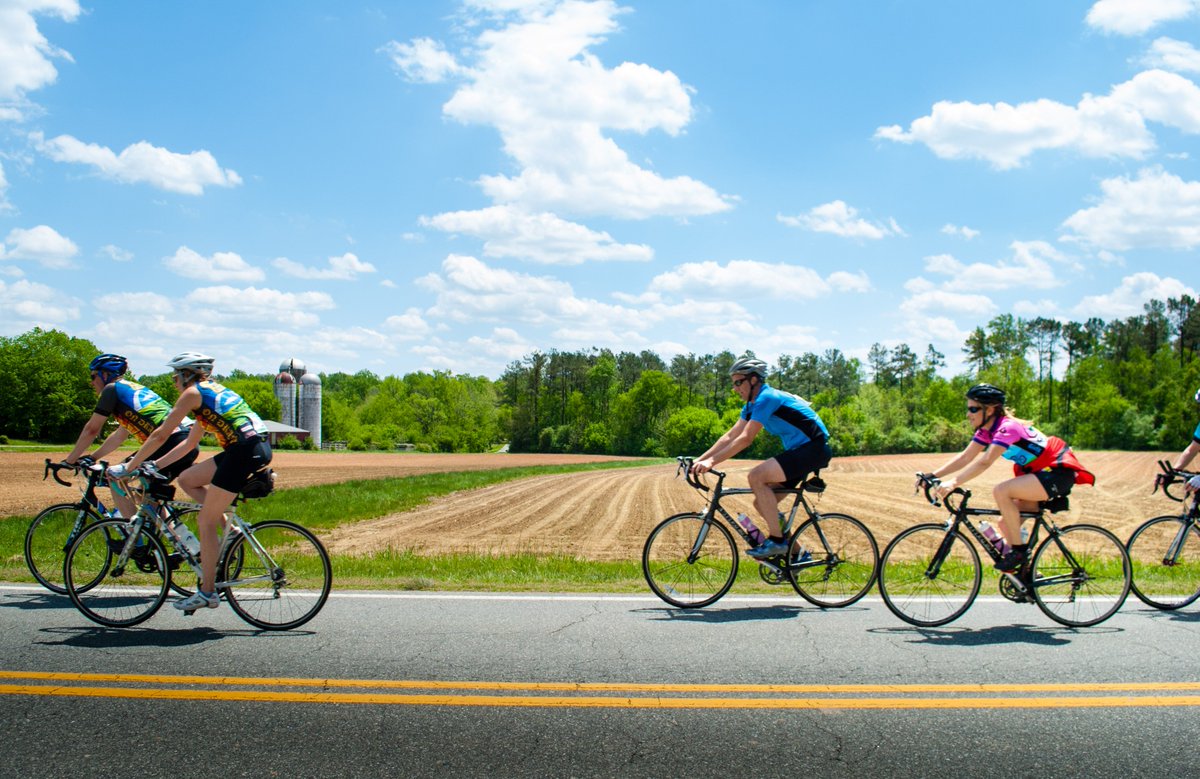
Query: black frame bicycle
point(1165, 551)
point(930, 574)
point(690, 560)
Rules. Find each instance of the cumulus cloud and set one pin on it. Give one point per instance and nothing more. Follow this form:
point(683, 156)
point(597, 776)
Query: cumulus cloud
point(750, 278)
point(41, 244)
point(1154, 210)
point(409, 325)
point(1130, 297)
point(26, 57)
point(1109, 126)
point(4, 204)
point(535, 78)
point(1170, 54)
point(116, 253)
point(1134, 17)
point(841, 219)
point(25, 304)
point(541, 237)
point(963, 231)
point(345, 268)
point(142, 163)
point(1029, 266)
point(253, 304)
point(221, 266)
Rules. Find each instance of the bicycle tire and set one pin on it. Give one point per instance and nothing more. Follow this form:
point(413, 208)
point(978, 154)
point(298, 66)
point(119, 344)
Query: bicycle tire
point(123, 596)
point(286, 597)
point(1081, 575)
point(843, 560)
point(1157, 582)
point(49, 536)
point(689, 584)
point(908, 589)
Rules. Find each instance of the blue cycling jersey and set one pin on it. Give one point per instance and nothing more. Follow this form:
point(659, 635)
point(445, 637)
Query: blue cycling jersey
point(1196, 435)
point(785, 415)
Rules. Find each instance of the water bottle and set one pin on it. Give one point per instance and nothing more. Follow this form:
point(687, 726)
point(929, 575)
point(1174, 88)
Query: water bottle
point(994, 538)
point(185, 537)
point(756, 535)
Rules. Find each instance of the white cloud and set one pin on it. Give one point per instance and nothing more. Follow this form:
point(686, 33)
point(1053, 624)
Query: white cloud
point(841, 219)
point(222, 266)
point(1134, 17)
point(25, 54)
point(541, 237)
point(1170, 54)
point(1028, 267)
point(1108, 126)
point(964, 231)
point(844, 281)
point(407, 326)
point(270, 306)
point(116, 253)
point(1155, 210)
point(1129, 298)
point(345, 268)
point(749, 279)
point(5, 206)
point(536, 80)
point(143, 163)
point(41, 244)
point(26, 304)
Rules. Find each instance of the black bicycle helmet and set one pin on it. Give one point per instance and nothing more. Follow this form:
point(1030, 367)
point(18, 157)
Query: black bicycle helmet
point(986, 394)
point(749, 365)
point(109, 365)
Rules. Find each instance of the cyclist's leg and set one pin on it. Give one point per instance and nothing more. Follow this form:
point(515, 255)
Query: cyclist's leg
point(764, 478)
point(1011, 496)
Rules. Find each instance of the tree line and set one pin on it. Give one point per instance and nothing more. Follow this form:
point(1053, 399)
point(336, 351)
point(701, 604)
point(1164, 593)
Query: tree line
point(1121, 384)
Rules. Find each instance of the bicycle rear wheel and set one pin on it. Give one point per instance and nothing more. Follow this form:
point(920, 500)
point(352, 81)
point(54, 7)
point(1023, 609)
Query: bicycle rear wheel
point(929, 575)
point(832, 560)
point(1165, 555)
point(1081, 575)
point(683, 578)
point(282, 590)
point(120, 595)
point(49, 536)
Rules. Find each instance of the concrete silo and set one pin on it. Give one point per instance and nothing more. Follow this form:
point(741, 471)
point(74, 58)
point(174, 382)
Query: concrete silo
point(285, 393)
point(309, 401)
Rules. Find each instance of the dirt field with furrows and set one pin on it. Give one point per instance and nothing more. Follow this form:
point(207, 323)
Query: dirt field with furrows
point(607, 514)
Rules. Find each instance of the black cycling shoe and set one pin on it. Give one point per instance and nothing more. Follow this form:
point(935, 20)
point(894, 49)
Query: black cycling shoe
point(1011, 562)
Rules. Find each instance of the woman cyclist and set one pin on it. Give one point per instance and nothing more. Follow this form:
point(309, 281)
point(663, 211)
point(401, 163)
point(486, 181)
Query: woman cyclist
point(1045, 468)
point(139, 410)
point(215, 482)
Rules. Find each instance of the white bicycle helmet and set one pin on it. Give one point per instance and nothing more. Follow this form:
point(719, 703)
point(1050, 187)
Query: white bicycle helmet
point(194, 362)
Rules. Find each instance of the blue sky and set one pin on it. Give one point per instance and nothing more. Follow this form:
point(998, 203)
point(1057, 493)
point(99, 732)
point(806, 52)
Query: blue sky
point(452, 186)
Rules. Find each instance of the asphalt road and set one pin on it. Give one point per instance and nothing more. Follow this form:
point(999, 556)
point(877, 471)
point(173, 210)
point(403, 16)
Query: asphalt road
point(495, 685)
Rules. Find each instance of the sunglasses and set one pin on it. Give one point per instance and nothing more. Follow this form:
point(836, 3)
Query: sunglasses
point(739, 382)
point(974, 409)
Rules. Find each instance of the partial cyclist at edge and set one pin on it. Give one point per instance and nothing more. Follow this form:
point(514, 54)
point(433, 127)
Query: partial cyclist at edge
point(139, 411)
point(805, 440)
point(1044, 467)
point(1189, 453)
point(215, 482)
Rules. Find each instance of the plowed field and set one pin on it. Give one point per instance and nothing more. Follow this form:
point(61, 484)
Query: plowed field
point(607, 514)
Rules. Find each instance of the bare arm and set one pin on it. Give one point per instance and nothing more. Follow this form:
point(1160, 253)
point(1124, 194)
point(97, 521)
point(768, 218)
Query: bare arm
point(182, 448)
point(112, 443)
point(738, 437)
point(1187, 455)
point(189, 401)
point(974, 468)
point(90, 430)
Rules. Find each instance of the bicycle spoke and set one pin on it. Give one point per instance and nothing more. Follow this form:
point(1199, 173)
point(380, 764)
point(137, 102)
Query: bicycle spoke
point(123, 591)
point(675, 576)
point(284, 586)
point(833, 560)
point(1081, 576)
point(1165, 555)
point(912, 592)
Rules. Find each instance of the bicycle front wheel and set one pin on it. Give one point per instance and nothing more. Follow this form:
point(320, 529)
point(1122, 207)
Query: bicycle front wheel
point(1080, 575)
point(121, 593)
point(929, 575)
point(1165, 555)
point(49, 536)
point(688, 563)
point(283, 588)
point(832, 560)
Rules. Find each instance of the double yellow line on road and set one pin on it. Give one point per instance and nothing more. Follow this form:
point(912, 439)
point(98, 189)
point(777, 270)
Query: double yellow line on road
point(604, 695)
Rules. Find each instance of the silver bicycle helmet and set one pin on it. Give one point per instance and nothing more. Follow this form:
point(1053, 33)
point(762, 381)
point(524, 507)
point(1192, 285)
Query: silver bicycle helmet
point(194, 362)
point(749, 365)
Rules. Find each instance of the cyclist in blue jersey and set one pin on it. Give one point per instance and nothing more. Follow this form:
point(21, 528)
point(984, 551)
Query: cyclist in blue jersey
point(138, 411)
point(215, 482)
point(1188, 454)
point(805, 440)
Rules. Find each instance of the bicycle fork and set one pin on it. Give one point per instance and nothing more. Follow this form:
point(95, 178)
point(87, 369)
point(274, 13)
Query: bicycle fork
point(1176, 546)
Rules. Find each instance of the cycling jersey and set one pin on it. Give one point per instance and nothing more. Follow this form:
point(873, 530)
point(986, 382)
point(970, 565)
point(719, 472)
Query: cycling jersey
point(1196, 435)
point(226, 415)
point(785, 415)
point(1031, 450)
point(138, 409)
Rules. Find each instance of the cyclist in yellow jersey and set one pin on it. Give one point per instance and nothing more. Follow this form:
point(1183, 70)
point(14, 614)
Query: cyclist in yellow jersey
point(215, 482)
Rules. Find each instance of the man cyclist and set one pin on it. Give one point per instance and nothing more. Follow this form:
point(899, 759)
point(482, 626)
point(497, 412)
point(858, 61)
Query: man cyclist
point(138, 410)
point(215, 482)
point(1189, 453)
point(804, 436)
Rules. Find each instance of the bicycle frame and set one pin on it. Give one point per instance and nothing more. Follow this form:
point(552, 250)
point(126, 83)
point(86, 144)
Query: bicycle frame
point(1189, 515)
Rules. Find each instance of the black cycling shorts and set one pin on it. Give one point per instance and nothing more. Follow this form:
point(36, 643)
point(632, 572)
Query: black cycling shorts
point(180, 465)
point(799, 462)
point(239, 461)
point(1057, 482)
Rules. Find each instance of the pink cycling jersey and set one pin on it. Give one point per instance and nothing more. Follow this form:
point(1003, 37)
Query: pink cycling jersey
point(1029, 449)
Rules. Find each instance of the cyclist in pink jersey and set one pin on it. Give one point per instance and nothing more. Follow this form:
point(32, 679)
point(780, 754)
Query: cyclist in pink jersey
point(1044, 466)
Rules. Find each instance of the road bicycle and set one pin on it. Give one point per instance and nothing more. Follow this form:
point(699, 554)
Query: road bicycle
point(930, 573)
point(54, 529)
point(1165, 551)
point(275, 574)
point(690, 560)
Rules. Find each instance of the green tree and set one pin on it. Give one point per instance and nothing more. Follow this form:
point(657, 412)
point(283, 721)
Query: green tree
point(45, 389)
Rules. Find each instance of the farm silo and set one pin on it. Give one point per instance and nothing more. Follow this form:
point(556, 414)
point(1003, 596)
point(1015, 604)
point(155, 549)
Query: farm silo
point(310, 405)
point(285, 393)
